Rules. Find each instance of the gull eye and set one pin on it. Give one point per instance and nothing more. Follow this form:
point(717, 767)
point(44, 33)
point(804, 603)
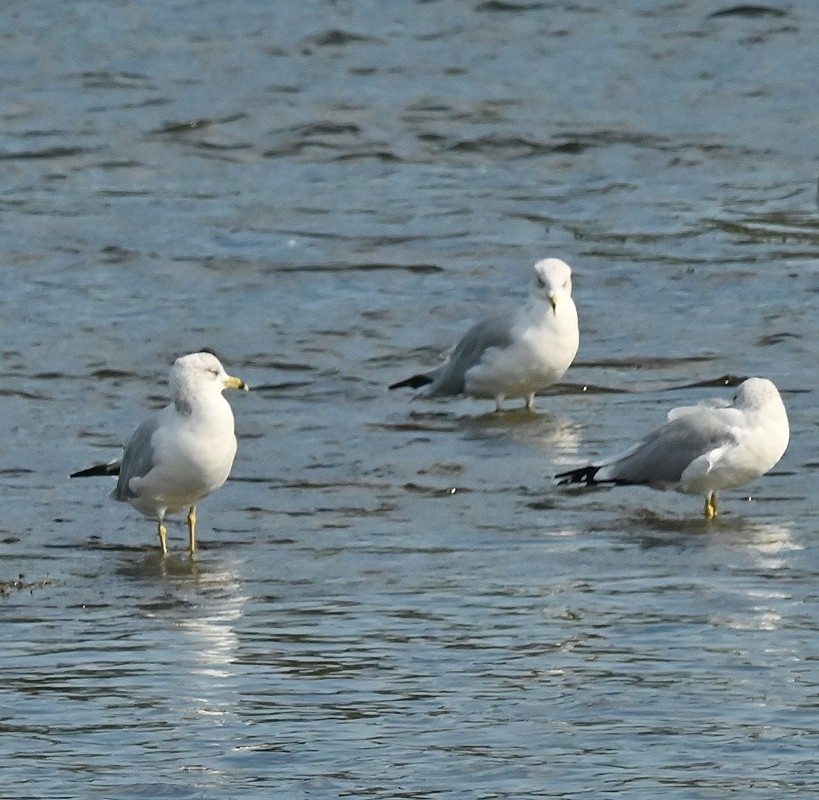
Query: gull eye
point(541, 284)
point(213, 371)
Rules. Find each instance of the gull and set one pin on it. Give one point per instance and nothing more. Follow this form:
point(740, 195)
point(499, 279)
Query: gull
point(182, 453)
point(515, 354)
point(702, 449)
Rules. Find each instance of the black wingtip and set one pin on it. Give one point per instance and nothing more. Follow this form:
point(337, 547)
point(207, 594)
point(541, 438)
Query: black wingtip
point(414, 382)
point(97, 470)
point(583, 475)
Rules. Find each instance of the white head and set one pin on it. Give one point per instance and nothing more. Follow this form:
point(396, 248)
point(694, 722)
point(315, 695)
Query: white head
point(760, 402)
point(553, 281)
point(756, 393)
point(196, 373)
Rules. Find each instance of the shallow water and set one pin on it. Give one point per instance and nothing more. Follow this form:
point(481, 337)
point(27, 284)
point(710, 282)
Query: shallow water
point(392, 599)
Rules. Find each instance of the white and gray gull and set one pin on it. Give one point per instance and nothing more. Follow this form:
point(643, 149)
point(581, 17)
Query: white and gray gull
point(702, 448)
point(514, 354)
point(182, 453)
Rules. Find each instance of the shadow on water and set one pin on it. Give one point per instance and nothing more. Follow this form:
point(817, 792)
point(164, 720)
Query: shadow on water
point(205, 568)
point(644, 521)
point(153, 566)
point(618, 511)
point(534, 426)
point(508, 416)
point(650, 529)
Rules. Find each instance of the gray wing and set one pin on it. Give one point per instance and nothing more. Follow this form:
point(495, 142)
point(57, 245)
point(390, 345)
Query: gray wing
point(449, 378)
point(661, 457)
point(138, 458)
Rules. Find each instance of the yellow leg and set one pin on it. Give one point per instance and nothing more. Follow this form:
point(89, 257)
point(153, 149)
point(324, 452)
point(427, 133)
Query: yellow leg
point(163, 537)
point(711, 506)
point(192, 529)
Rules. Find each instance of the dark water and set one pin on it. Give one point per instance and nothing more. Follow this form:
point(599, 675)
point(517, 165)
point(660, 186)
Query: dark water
point(392, 599)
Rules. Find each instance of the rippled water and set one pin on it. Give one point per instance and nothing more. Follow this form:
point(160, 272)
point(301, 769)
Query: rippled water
point(392, 598)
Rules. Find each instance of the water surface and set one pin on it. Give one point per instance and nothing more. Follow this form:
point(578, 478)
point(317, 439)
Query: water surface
point(392, 599)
